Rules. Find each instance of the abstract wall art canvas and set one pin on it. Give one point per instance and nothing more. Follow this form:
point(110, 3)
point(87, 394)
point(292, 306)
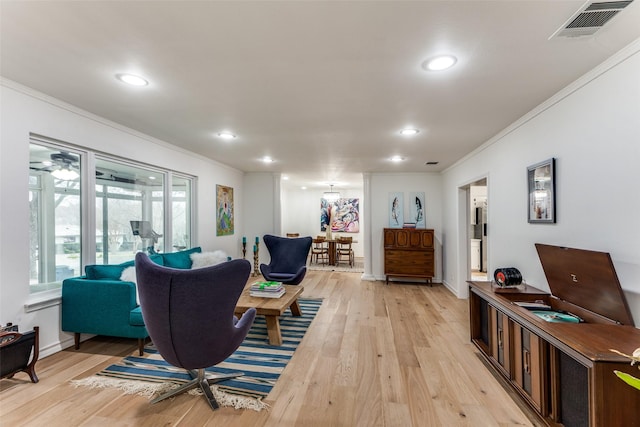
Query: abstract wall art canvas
point(343, 215)
point(224, 211)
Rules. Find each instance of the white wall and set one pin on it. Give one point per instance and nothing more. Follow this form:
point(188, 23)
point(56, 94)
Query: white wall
point(262, 211)
point(23, 111)
point(592, 128)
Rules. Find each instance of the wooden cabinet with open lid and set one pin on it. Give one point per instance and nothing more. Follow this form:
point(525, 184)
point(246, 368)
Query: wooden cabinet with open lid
point(564, 371)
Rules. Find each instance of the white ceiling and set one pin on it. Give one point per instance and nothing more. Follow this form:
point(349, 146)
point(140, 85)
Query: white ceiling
point(323, 87)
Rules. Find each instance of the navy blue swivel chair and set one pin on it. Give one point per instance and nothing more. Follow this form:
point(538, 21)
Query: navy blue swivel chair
point(189, 317)
point(288, 259)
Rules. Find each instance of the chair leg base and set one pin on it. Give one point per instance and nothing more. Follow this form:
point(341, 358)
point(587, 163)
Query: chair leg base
point(199, 380)
point(175, 391)
point(208, 394)
point(223, 377)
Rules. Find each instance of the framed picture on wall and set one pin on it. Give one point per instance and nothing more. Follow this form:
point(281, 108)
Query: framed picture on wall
point(542, 202)
point(416, 209)
point(343, 215)
point(396, 210)
point(224, 210)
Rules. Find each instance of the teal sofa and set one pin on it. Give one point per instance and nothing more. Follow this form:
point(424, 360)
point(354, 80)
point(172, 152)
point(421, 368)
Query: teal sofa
point(100, 303)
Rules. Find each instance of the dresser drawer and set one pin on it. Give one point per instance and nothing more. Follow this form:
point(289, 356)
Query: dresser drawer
point(407, 262)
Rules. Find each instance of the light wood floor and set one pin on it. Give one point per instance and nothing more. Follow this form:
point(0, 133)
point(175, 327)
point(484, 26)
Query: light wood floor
point(375, 355)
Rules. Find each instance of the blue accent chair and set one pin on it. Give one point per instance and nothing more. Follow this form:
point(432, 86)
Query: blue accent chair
point(99, 303)
point(189, 316)
point(288, 259)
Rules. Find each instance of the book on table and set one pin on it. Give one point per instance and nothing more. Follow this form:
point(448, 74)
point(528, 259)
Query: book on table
point(267, 289)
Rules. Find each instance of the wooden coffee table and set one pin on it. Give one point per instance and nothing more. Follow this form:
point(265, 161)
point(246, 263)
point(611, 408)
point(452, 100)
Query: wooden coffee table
point(271, 308)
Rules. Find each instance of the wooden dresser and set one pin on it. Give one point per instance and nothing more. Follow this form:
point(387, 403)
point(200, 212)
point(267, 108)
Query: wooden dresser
point(409, 252)
point(563, 371)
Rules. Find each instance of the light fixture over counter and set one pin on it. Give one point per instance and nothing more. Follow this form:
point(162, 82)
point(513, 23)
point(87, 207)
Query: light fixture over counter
point(331, 195)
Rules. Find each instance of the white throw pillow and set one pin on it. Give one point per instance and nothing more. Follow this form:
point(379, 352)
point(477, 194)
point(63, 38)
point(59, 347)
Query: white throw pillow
point(129, 275)
point(206, 259)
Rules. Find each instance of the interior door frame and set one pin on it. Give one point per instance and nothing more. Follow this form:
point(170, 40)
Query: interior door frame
point(464, 236)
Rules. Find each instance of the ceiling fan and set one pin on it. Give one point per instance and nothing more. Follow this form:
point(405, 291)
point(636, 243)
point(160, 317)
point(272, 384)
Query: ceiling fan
point(62, 165)
point(65, 166)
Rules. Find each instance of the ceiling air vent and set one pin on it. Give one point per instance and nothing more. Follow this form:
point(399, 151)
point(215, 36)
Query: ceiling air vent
point(590, 18)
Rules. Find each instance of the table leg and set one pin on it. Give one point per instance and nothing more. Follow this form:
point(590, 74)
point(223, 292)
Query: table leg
point(295, 309)
point(332, 253)
point(273, 330)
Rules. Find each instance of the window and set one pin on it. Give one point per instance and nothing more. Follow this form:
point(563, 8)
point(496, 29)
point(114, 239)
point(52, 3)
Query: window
point(126, 195)
point(181, 212)
point(54, 220)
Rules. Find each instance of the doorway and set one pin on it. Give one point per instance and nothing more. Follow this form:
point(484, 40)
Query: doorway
point(477, 232)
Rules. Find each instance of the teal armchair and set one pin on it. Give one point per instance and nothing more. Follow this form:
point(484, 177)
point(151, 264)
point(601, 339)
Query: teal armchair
point(102, 307)
point(99, 303)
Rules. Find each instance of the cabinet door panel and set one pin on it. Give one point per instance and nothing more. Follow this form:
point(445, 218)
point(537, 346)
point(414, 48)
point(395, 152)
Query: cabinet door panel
point(402, 238)
point(389, 237)
point(415, 239)
point(530, 366)
point(500, 340)
point(427, 239)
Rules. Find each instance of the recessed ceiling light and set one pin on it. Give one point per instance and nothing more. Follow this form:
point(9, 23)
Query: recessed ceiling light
point(409, 132)
point(286, 178)
point(226, 135)
point(439, 63)
point(132, 79)
point(397, 158)
point(267, 159)
point(303, 188)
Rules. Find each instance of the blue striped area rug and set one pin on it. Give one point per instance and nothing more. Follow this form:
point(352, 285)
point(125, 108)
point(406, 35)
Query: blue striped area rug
point(261, 363)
